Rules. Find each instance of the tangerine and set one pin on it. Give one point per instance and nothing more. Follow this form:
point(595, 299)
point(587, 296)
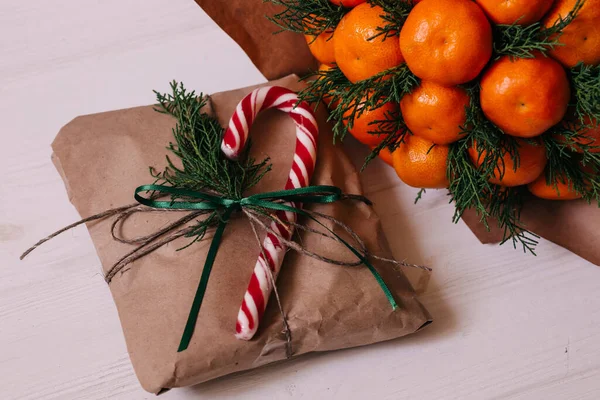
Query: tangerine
point(358, 51)
point(421, 163)
point(525, 96)
point(328, 99)
point(581, 38)
point(386, 156)
point(446, 41)
point(532, 161)
point(321, 47)
point(561, 191)
point(522, 12)
point(435, 112)
point(365, 125)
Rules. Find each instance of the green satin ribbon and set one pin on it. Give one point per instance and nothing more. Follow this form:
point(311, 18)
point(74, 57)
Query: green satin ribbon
point(270, 201)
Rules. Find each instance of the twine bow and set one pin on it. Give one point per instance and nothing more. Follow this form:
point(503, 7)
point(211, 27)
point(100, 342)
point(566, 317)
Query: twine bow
point(254, 206)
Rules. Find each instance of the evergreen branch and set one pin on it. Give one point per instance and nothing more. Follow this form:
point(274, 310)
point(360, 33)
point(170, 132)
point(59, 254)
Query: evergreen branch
point(393, 130)
point(562, 22)
point(579, 171)
point(420, 195)
point(353, 99)
point(585, 81)
point(491, 142)
point(469, 185)
point(311, 17)
point(505, 206)
point(470, 189)
point(525, 41)
point(522, 41)
point(322, 85)
point(202, 165)
point(566, 138)
point(395, 13)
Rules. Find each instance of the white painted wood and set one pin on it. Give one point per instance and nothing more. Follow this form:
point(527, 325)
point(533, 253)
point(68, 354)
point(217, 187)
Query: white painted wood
point(507, 325)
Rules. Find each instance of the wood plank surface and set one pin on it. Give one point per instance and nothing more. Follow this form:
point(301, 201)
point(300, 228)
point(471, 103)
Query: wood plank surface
point(507, 325)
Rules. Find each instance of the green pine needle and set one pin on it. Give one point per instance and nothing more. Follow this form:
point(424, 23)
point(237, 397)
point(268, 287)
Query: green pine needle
point(571, 162)
point(393, 130)
point(586, 89)
point(420, 195)
point(355, 98)
point(469, 185)
point(522, 41)
point(395, 13)
point(311, 17)
point(526, 41)
point(201, 164)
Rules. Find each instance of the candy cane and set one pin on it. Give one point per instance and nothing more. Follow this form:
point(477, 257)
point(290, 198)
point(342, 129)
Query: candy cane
point(234, 140)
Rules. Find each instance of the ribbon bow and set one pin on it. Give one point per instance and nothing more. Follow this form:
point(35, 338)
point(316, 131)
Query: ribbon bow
point(274, 201)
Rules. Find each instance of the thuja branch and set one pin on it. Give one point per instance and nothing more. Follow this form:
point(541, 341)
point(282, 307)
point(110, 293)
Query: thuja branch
point(470, 187)
point(353, 99)
point(522, 41)
point(489, 140)
point(505, 206)
point(572, 163)
point(201, 165)
point(467, 184)
point(562, 22)
point(526, 41)
point(393, 130)
point(395, 13)
point(324, 85)
point(311, 17)
point(586, 89)
point(198, 146)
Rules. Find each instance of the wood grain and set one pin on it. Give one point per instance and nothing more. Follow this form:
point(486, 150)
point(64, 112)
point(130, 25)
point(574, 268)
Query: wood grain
point(507, 325)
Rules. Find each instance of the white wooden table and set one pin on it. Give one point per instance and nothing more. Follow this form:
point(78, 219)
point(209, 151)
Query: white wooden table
point(507, 325)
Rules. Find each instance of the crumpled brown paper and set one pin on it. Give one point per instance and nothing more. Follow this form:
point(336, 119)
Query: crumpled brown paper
point(571, 224)
point(275, 55)
point(104, 157)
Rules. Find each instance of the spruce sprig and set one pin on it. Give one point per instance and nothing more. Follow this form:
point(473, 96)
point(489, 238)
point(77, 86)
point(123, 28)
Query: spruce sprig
point(201, 164)
point(520, 41)
point(311, 17)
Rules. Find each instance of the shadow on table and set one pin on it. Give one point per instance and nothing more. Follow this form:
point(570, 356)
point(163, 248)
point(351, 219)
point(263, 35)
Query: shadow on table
point(397, 224)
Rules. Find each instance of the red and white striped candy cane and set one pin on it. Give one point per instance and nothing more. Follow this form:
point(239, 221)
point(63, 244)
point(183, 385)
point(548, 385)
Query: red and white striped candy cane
point(234, 140)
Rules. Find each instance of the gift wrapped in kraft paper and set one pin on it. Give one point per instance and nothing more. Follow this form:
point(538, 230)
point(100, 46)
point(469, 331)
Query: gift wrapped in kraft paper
point(104, 157)
point(570, 224)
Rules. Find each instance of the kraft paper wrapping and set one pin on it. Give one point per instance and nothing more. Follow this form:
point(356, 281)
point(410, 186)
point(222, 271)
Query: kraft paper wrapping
point(275, 55)
point(571, 224)
point(104, 157)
